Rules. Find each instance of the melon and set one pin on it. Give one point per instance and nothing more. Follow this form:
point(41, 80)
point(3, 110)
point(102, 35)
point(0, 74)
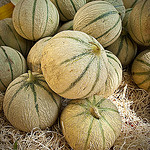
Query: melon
point(35, 19)
point(29, 103)
point(74, 64)
point(130, 3)
point(66, 26)
point(9, 37)
point(68, 8)
point(12, 65)
point(139, 23)
point(124, 48)
point(114, 78)
point(141, 70)
point(99, 19)
point(93, 123)
point(14, 1)
point(35, 54)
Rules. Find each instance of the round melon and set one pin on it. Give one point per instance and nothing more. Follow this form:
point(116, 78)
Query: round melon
point(35, 19)
point(68, 8)
point(124, 48)
point(139, 23)
point(74, 64)
point(130, 3)
point(9, 37)
point(66, 26)
point(30, 103)
point(114, 78)
point(91, 124)
point(141, 70)
point(12, 65)
point(99, 19)
point(35, 54)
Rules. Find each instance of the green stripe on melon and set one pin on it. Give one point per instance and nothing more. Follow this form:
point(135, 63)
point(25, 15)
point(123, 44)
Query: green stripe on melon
point(35, 19)
point(141, 70)
point(99, 19)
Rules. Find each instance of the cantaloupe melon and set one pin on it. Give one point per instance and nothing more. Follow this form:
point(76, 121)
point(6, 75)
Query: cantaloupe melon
point(130, 3)
point(74, 64)
point(35, 54)
point(30, 103)
point(66, 26)
point(139, 23)
point(91, 124)
point(35, 19)
point(141, 70)
point(9, 37)
point(12, 65)
point(99, 19)
point(68, 8)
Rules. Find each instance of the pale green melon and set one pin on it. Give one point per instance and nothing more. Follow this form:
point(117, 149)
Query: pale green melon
point(66, 26)
point(12, 65)
point(35, 19)
point(91, 124)
point(9, 37)
point(35, 54)
point(29, 103)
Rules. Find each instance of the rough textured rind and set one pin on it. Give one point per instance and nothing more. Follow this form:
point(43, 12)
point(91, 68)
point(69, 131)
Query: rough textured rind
point(139, 23)
point(12, 65)
point(83, 131)
point(35, 19)
point(124, 48)
point(35, 54)
point(99, 19)
point(130, 3)
point(68, 8)
point(30, 105)
point(9, 37)
point(141, 70)
point(70, 66)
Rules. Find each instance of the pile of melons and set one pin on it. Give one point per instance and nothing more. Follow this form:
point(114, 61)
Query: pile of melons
point(50, 50)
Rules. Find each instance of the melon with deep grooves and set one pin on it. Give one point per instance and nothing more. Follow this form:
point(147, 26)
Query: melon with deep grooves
point(93, 123)
point(68, 8)
point(74, 64)
point(9, 37)
point(124, 48)
point(66, 26)
point(130, 3)
point(114, 78)
point(30, 103)
point(35, 54)
point(141, 70)
point(139, 23)
point(12, 65)
point(35, 19)
point(99, 19)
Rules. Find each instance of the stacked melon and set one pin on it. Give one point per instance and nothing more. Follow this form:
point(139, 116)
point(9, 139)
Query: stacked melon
point(78, 53)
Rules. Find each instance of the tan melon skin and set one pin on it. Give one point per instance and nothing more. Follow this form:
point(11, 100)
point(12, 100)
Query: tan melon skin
point(66, 8)
point(130, 3)
point(128, 50)
point(22, 112)
point(9, 37)
point(35, 54)
point(45, 21)
point(114, 78)
point(75, 123)
point(93, 10)
point(61, 76)
point(17, 63)
point(138, 67)
point(139, 23)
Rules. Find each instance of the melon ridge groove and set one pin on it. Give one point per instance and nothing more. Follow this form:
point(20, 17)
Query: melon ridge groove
point(14, 37)
point(134, 3)
point(109, 29)
point(143, 62)
point(3, 84)
point(100, 17)
point(2, 40)
point(126, 49)
point(80, 77)
point(73, 6)
point(120, 46)
point(33, 16)
point(147, 79)
point(11, 70)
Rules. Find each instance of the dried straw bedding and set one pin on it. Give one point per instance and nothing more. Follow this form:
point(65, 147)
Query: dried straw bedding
point(131, 102)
